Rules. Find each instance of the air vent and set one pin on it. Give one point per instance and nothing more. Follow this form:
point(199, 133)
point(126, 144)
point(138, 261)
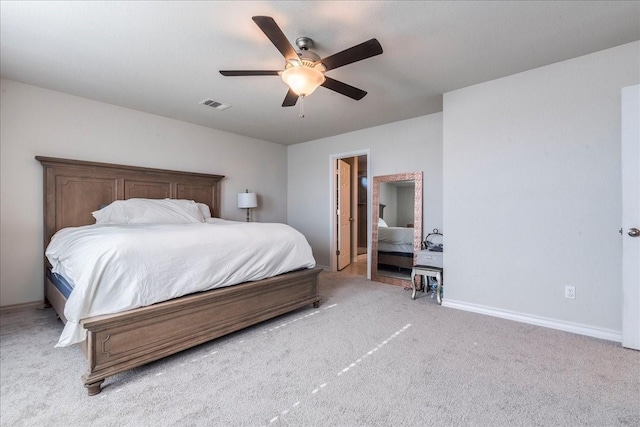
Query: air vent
point(215, 104)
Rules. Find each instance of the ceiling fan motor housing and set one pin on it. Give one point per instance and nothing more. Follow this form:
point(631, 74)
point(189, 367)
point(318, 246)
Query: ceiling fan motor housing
point(306, 56)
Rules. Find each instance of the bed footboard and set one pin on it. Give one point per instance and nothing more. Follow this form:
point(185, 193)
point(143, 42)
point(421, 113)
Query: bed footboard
point(118, 342)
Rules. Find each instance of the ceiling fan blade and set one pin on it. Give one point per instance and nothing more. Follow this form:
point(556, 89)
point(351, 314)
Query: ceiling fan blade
point(235, 73)
point(291, 99)
point(353, 54)
point(277, 37)
point(343, 88)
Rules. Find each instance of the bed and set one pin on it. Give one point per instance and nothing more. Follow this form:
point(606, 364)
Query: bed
point(395, 245)
point(116, 342)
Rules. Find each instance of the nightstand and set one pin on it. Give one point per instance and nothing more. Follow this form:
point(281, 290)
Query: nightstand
point(429, 264)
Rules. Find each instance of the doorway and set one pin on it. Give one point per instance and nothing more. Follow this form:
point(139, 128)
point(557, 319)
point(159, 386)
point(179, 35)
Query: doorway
point(349, 213)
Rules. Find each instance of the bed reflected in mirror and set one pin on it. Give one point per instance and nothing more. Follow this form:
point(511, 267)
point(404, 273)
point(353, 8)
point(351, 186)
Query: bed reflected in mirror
point(396, 227)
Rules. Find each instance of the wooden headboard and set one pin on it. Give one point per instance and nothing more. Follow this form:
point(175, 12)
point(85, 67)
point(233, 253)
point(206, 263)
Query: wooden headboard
point(73, 189)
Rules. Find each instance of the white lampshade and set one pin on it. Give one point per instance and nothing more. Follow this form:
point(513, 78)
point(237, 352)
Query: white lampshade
point(303, 80)
point(247, 200)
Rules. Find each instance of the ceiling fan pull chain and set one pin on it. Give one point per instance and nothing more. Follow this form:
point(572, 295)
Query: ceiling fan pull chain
point(301, 115)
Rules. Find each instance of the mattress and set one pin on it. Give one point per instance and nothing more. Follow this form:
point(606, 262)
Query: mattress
point(394, 247)
point(60, 283)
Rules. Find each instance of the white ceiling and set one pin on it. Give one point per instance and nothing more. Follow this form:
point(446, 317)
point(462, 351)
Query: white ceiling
point(164, 57)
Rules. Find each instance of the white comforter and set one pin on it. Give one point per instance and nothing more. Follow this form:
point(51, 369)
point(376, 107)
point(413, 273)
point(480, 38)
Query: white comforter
point(114, 268)
point(395, 235)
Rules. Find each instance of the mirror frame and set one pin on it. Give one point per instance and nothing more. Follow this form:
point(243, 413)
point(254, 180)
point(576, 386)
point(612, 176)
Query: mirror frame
point(416, 177)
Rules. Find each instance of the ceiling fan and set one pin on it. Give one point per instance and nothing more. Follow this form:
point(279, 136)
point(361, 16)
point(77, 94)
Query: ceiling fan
point(304, 71)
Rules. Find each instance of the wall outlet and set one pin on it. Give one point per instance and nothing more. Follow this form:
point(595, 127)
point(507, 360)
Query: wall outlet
point(570, 292)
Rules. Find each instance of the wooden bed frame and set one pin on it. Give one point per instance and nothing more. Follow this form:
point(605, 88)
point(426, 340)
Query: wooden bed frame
point(395, 259)
point(121, 341)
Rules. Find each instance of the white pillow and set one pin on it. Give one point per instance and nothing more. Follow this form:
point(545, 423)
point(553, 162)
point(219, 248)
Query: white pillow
point(113, 213)
point(149, 211)
point(204, 210)
point(382, 223)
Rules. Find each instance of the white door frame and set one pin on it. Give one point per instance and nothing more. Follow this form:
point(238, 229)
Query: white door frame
point(332, 205)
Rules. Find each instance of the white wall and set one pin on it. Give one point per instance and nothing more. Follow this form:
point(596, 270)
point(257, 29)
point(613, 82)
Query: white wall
point(532, 193)
point(36, 121)
point(407, 146)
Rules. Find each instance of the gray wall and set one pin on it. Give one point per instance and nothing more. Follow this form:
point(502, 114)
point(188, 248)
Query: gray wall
point(406, 196)
point(388, 196)
point(532, 193)
point(37, 121)
point(407, 146)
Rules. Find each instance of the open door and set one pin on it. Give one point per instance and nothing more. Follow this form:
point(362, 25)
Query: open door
point(631, 217)
point(343, 214)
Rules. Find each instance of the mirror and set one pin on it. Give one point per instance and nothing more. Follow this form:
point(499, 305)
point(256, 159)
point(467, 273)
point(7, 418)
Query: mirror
point(396, 227)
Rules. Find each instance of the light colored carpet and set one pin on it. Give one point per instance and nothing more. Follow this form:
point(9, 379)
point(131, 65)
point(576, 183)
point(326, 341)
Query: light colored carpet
point(369, 356)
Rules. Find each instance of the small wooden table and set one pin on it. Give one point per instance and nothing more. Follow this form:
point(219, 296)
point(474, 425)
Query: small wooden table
point(427, 271)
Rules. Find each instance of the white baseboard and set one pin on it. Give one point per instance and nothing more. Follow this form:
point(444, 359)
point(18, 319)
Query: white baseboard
point(576, 328)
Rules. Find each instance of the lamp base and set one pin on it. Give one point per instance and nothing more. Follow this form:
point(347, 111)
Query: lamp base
point(248, 215)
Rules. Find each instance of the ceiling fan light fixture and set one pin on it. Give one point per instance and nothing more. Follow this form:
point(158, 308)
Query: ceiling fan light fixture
point(294, 62)
point(303, 80)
